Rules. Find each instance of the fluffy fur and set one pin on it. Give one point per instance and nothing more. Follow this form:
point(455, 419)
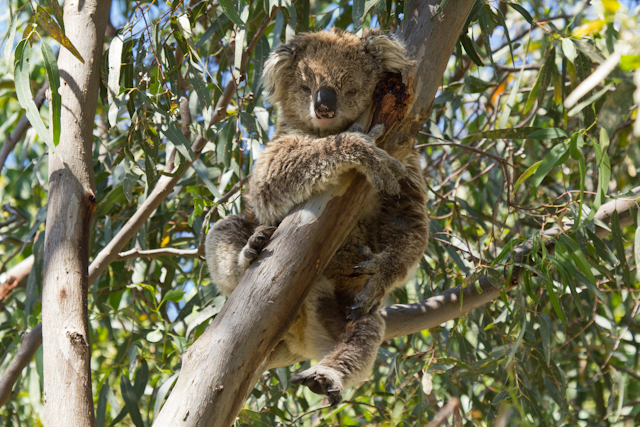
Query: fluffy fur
point(308, 153)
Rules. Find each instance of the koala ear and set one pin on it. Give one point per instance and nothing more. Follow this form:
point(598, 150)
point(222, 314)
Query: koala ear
point(280, 58)
point(390, 52)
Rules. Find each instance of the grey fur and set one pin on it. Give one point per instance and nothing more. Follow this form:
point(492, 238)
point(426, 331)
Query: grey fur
point(306, 157)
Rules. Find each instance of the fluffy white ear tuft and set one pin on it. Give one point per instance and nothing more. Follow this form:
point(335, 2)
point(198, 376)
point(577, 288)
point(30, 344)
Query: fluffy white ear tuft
point(278, 59)
point(390, 52)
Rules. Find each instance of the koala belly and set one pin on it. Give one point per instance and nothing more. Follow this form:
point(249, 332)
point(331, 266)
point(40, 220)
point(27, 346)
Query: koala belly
point(319, 323)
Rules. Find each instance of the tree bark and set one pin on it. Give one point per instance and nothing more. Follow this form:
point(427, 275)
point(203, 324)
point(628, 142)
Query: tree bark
point(67, 355)
point(221, 367)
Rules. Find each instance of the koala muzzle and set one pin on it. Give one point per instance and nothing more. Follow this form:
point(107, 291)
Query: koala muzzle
point(325, 103)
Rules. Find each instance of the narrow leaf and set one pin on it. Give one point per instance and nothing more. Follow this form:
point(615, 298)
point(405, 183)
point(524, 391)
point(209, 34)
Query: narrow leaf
point(548, 133)
point(8, 45)
point(468, 47)
point(51, 64)
point(23, 91)
point(530, 171)
point(130, 401)
point(52, 28)
point(230, 11)
point(550, 160)
point(618, 243)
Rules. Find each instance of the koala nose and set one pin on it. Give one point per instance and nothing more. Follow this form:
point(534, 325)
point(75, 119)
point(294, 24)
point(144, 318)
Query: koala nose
point(325, 103)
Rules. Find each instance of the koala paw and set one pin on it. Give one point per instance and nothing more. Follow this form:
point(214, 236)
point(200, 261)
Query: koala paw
point(370, 265)
point(385, 173)
point(369, 299)
point(257, 242)
point(322, 380)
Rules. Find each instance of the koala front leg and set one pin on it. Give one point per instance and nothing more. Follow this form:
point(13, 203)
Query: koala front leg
point(402, 234)
point(231, 245)
point(294, 166)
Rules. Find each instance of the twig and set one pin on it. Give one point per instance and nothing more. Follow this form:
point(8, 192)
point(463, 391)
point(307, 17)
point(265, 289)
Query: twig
point(156, 253)
point(444, 413)
point(464, 147)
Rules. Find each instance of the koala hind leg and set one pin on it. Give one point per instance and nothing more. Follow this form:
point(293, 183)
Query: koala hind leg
point(231, 245)
point(348, 362)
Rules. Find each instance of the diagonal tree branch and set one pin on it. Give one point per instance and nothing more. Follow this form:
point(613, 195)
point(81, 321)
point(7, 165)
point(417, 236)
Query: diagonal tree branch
point(30, 343)
point(221, 367)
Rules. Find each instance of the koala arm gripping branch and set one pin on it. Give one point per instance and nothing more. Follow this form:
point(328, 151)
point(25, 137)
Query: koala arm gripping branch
point(295, 166)
point(403, 233)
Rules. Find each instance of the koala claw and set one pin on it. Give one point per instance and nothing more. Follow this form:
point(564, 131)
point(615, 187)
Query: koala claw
point(368, 300)
point(321, 380)
point(377, 131)
point(356, 127)
point(258, 241)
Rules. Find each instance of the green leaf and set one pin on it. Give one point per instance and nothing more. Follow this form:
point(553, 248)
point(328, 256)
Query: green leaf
point(618, 243)
point(569, 49)
point(530, 171)
point(552, 158)
point(52, 28)
point(53, 75)
point(230, 11)
point(174, 295)
point(522, 11)
point(548, 133)
point(130, 401)
point(101, 411)
point(8, 44)
point(468, 47)
point(23, 91)
point(546, 74)
point(510, 133)
point(360, 10)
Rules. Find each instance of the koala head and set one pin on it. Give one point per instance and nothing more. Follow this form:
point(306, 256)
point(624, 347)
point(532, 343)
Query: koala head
point(322, 82)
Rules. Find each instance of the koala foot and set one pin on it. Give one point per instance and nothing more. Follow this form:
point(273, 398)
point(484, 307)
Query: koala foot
point(257, 242)
point(322, 380)
point(370, 298)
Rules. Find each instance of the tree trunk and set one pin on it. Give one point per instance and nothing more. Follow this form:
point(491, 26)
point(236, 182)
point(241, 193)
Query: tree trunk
point(221, 367)
point(67, 373)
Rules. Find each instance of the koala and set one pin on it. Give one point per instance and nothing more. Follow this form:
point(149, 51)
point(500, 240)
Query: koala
point(323, 83)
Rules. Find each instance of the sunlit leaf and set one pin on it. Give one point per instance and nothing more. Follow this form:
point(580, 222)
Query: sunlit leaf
point(52, 28)
point(23, 91)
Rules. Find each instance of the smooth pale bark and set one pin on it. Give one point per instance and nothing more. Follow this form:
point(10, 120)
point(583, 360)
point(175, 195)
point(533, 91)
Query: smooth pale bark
point(72, 202)
point(221, 367)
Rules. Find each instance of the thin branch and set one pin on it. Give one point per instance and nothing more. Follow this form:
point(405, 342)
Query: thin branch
point(464, 147)
point(30, 343)
point(449, 409)
point(157, 253)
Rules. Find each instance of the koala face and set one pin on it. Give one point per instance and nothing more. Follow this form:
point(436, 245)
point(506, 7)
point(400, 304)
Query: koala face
point(323, 82)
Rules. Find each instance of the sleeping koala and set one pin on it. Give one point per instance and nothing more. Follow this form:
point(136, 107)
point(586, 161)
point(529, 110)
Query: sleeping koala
point(323, 83)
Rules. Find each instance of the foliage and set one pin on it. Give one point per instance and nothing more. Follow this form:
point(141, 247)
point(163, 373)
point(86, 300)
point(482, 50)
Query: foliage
point(504, 158)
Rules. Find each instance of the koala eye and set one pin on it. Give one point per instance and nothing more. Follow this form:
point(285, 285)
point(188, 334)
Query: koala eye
point(351, 92)
point(306, 89)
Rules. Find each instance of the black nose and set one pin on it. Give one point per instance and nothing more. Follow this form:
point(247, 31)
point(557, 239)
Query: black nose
point(325, 103)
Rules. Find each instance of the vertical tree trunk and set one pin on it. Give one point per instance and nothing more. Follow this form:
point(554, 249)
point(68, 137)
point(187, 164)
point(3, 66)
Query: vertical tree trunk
point(220, 368)
point(67, 355)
